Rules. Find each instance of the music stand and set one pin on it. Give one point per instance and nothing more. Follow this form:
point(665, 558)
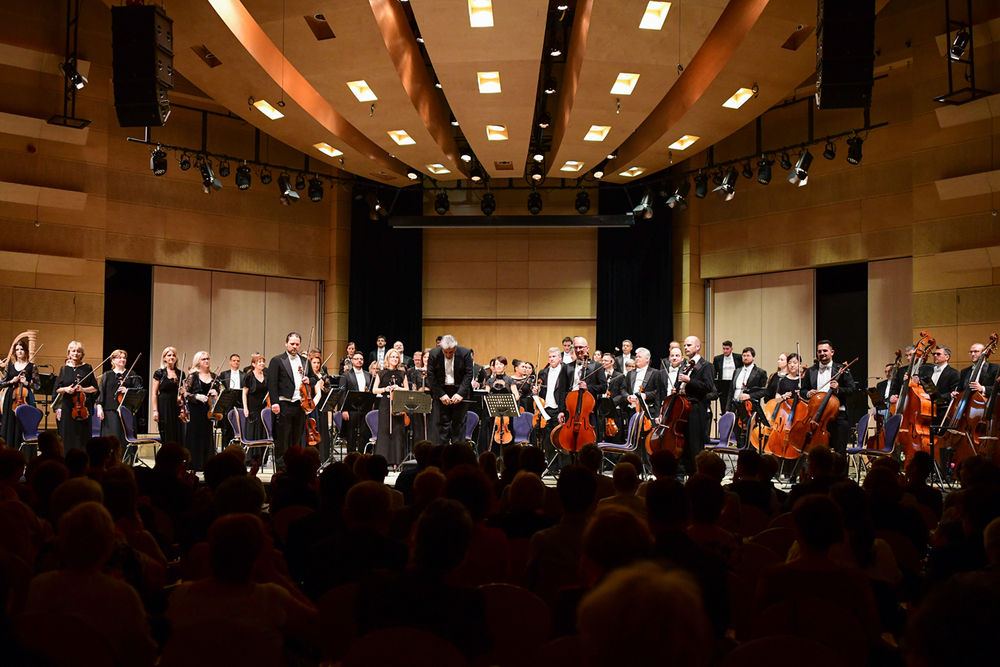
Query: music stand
point(937, 400)
point(410, 403)
point(225, 403)
point(360, 402)
point(759, 419)
point(878, 402)
point(133, 399)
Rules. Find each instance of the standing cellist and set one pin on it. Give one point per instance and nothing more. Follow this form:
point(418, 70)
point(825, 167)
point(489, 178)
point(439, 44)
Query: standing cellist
point(578, 375)
point(818, 379)
point(699, 387)
point(749, 384)
point(983, 383)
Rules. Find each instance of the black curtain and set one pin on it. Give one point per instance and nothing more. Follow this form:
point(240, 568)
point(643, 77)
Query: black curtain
point(128, 317)
point(634, 277)
point(842, 318)
point(386, 293)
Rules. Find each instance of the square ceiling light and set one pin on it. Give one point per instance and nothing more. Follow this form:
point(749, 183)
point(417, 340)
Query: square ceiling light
point(361, 91)
point(481, 13)
point(438, 168)
point(265, 108)
point(683, 142)
point(496, 132)
point(326, 148)
point(632, 172)
point(489, 82)
point(654, 16)
point(597, 132)
point(624, 84)
point(571, 165)
point(738, 99)
point(401, 137)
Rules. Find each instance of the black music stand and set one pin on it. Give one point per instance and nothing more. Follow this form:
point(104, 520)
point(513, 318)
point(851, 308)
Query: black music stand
point(133, 399)
point(759, 419)
point(411, 403)
point(225, 403)
point(937, 400)
point(500, 405)
point(362, 403)
point(329, 403)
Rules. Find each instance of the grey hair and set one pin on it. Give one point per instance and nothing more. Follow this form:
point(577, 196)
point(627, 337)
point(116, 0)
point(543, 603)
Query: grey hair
point(448, 341)
point(642, 350)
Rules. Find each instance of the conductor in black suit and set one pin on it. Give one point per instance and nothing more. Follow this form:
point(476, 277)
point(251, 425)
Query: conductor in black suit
point(818, 378)
point(449, 374)
point(355, 379)
point(285, 374)
point(699, 388)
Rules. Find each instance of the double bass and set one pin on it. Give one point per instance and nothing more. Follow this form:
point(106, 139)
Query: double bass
point(877, 439)
point(577, 430)
point(966, 411)
point(669, 434)
point(915, 405)
point(989, 427)
point(820, 411)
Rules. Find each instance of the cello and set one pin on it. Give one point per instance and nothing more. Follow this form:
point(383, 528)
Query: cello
point(989, 428)
point(669, 434)
point(915, 405)
point(785, 412)
point(576, 431)
point(821, 410)
point(965, 412)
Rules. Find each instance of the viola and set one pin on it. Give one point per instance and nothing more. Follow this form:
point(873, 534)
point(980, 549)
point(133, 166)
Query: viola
point(915, 405)
point(577, 431)
point(966, 411)
point(670, 433)
point(821, 410)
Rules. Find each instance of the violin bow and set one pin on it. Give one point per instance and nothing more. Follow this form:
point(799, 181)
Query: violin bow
point(93, 369)
point(129, 371)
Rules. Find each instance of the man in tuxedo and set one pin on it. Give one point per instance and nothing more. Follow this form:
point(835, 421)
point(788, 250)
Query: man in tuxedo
point(901, 379)
point(353, 424)
point(818, 379)
point(479, 372)
point(378, 354)
point(404, 360)
point(567, 351)
point(726, 366)
point(614, 379)
point(699, 388)
point(945, 378)
point(231, 378)
point(883, 388)
point(645, 381)
point(749, 384)
point(449, 374)
point(552, 393)
point(987, 377)
point(285, 374)
point(625, 356)
point(575, 375)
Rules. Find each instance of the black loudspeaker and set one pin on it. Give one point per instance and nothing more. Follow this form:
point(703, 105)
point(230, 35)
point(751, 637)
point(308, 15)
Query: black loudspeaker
point(142, 59)
point(845, 53)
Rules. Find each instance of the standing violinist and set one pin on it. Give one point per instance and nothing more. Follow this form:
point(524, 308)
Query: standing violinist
point(199, 389)
point(524, 373)
point(166, 386)
point(984, 381)
point(21, 373)
point(749, 384)
point(75, 432)
point(111, 389)
point(287, 374)
point(699, 388)
point(551, 389)
point(819, 378)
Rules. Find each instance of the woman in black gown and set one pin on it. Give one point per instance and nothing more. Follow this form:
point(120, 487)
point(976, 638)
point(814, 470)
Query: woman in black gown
point(19, 372)
point(255, 398)
point(390, 440)
point(167, 382)
point(199, 387)
point(113, 384)
point(75, 432)
point(320, 390)
point(497, 383)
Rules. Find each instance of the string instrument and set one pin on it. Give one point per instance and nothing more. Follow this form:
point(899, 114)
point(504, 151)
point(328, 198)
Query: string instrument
point(502, 434)
point(576, 431)
point(183, 413)
point(821, 410)
point(669, 434)
point(915, 405)
point(79, 409)
point(308, 405)
point(877, 439)
point(19, 396)
point(539, 420)
point(965, 412)
point(121, 395)
point(989, 428)
point(610, 427)
point(783, 414)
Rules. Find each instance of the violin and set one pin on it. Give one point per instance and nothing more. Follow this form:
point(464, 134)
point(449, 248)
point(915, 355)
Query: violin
point(576, 431)
point(915, 405)
point(821, 410)
point(502, 434)
point(19, 391)
point(966, 411)
point(670, 432)
point(184, 413)
point(308, 405)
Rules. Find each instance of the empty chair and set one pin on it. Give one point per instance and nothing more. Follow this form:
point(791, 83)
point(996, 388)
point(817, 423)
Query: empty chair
point(621, 448)
point(470, 425)
point(890, 429)
point(29, 417)
point(372, 420)
point(132, 443)
point(522, 427)
point(239, 423)
point(726, 423)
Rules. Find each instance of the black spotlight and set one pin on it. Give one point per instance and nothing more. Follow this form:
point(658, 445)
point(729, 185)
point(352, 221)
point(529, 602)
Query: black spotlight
point(786, 162)
point(315, 189)
point(375, 209)
point(644, 209)
point(800, 175)
point(538, 155)
point(489, 203)
point(544, 120)
point(224, 168)
point(764, 171)
point(300, 182)
point(830, 152)
point(555, 48)
point(265, 176)
point(208, 180)
point(717, 176)
point(476, 174)
point(534, 202)
point(537, 173)
point(679, 199)
point(288, 194)
point(184, 162)
point(854, 149)
point(453, 121)
point(599, 169)
point(701, 185)
point(959, 44)
point(412, 174)
point(582, 202)
point(158, 162)
point(747, 170)
point(551, 86)
point(243, 176)
point(727, 190)
point(466, 154)
point(441, 203)
point(77, 79)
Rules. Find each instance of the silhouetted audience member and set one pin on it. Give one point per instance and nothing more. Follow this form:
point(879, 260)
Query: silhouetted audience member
point(707, 500)
point(408, 473)
point(170, 486)
point(296, 486)
point(12, 465)
point(954, 625)
point(192, 527)
point(100, 456)
point(918, 469)
point(488, 464)
point(819, 468)
point(121, 495)
point(592, 458)
point(532, 459)
point(769, 466)
point(664, 466)
point(487, 559)
point(884, 495)
point(46, 478)
point(626, 482)
point(334, 483)
point(959, 543)
point(427, 488)
point(748, 487)
point(525, 518)
point(378, 469)
point(511, 465)
point(457, 454)
point(50, 448)
point(76, 462)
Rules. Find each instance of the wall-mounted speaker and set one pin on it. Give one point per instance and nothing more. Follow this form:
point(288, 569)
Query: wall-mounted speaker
point(142, 41)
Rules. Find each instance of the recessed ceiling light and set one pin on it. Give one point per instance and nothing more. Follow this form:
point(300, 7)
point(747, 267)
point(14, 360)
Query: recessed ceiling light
point(481, 13)
point(438, 168)
point(496, 132)
point(489, 82)
point(624, 84)
point(361, 91)
point(401, 137)
point(597, 132)
point(654, 16)
point(265, 108)
point(324, 147)
point(632, 172)
point(571, 165)
point(738, 99)
point(683, 142)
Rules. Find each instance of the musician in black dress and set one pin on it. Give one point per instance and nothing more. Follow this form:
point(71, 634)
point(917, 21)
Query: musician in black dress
point(167, 382)
point(113, 385)
point(320, 390)
point(422, 427)
point(345, 362)
point(391, 428)
point(75, 378)
point(497, 382)
point(789, 383)
point(19, 373)
point(772, 382)
point(255, 398)
point(199, 389)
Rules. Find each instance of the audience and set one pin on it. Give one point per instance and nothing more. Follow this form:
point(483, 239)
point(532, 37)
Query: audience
point(378, 469)
point(819, 475)
point(626, 482)
point(12, 466)
point(76, 462)
point(487, 559)
point(100, 456)
point(918, 469)
point(888, 513)
point(527, 500)
point(422, 450)
point(747, 485)
point(50, 448)
point(334, 483)
point(427, 487)
point(592, 458)
point(664, 466)
point(296, 485)
point(707, 500)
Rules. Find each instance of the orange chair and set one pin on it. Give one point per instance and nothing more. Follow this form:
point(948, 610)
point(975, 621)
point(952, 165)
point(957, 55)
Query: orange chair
point(338, 629)
point(403, 647)
point(820, 621)
point(77, 645)
point(519, 622)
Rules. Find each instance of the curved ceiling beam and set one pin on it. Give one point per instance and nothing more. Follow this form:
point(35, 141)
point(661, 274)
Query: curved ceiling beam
point(262, 49)
point(571, 72)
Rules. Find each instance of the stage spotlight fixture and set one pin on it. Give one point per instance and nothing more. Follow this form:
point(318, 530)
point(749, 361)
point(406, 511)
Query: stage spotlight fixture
point(476, 174)
point(224, 169)
point(412, 174)
point(441, 203)
point(208, 180)
point(70, 72)
point(489, 203)
point(534, 202)
point(701, 185)
point(544, 120)
point(184, 162)
point(747, 170)
point(375, 209)
point(243, 176)
point(158, 162)
point(538, 155)
point(786, 162)
point(315, 189)
point(599, 169)
point(613, 155)
point(300, 182)
point(466, 154)
point(764, 171)
point(555, 48)
point(854, 149)
point(679, 199)
point(265, 176)
point(551, 86)
point(717, 176)
point(727, 190)
point(582, 204)
point(453, 121)
point(959, 44)
point(644, 209)
point(537, 173)
point(288, 194)
point(830, 152)
point(800, 175)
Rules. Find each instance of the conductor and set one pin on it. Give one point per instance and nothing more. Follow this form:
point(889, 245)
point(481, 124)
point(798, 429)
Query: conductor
point(449, 374)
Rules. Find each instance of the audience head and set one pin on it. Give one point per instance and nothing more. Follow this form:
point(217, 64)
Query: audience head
point(511, 461)
point(954, 625)
point(428, 485)
point(470, 486)
point(820, 458)
point(437, 457)
point(12, 464)
point(888, 462)
point(334, 483)
point(707, 498)
point(441, 537)
point(50, 444)
point(982, 505)
point(239, 495)
point(527, 492)
point(840, 465)
point(351, 460)
point(99, 453)
point(361, 467)
point(86, 536)
point(458, 454)
point(76, 462)
point(301, 465)
point(46, 478)
point(368, 505)
point(882, 485)
point(71, 493)
point(172, 459)
point(488, 464)
point(711, 464)
point(991, 540)
point(625, 479)
point(748, 463)
point(591, 457)
point(221, 467)
point(377, 468)
point(919, 466)
point(120, 492)
point(234, 543)
point(664, 464)
point(532, 459)
point(614, 537)
point(769, 466)
point(667, 504)
point(633, 458)
point(422, 453)
point(818, 523)
point(576, 488)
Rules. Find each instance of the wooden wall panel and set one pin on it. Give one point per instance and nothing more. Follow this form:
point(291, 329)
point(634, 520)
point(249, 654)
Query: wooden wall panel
point(237, 316)
point(290, 305)
point(182, 312)
point(890, 311)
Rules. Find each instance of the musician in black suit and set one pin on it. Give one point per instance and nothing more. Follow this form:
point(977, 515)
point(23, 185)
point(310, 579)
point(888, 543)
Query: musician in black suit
point(449, 374)
point(615, 380)
point(624, 357)
point(901, 379)
point(645, 380)
point(404, 360)
point(882, 387)
point(231, 378)
point(479, 372)
point(945, 378)
point(725, 365)
point(552, 392)
point(987, 375)
point(699, 387)
point(749, 384)
point(285, 374)
point(378, 354)
point(579, 376)
point(818, 379)
point(353, 423)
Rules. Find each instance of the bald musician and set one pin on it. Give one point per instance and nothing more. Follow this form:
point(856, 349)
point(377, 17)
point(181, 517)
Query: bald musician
point(699, 387)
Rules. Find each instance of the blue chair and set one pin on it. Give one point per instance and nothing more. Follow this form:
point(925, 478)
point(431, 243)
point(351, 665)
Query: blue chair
point(338, 442)
point(622, 448)
point(522, 427)
point(29, 417)
point(132, 443)
point(239, 423)
point(372, 420)
point(727, 423)
point(471, 420)
point(95, 425)
point(890, 429)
